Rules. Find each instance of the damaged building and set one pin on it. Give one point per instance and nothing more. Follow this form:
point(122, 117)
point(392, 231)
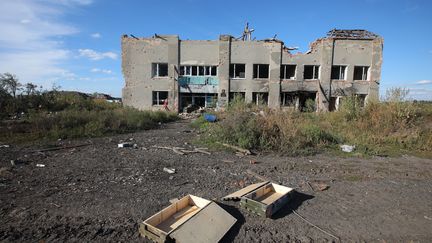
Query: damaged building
point(164, 72)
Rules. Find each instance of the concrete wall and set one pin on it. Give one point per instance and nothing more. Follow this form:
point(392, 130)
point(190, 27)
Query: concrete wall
point(139, 54)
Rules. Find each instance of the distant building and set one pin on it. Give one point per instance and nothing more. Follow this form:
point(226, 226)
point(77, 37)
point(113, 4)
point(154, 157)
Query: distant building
point(212, 72)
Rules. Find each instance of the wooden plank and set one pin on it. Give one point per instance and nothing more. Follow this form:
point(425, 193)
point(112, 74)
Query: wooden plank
point(185, 211)
point(238, 194)
point(210, 224)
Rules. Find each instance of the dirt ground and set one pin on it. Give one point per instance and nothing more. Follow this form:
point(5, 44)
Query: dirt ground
point(100, 192)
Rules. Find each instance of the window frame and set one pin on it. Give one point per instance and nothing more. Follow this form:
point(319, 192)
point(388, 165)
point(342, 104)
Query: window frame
point(258, 70)
point(313, 72)
point(363, 73)
point(189, 70)
point(345, 67)
point(284, 67)
point(234, 71)
point(158, 100)
point(156, 68)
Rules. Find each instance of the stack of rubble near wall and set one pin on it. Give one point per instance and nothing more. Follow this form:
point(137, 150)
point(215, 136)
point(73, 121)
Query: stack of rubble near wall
point(352, 34)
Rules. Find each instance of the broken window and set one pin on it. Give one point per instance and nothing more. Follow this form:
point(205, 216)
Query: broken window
point(237, 70)
point(311, 72)
point(361, 73)
point(160, 69)
point(194, 70)
point(288, 71)
point(198, 70)
point(159, 97)
point(338, 72)
point(260, 98)
point(288, 99)
point(260, 71)
point(236, 96)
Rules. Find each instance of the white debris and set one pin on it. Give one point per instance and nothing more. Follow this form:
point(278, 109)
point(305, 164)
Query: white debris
point(125, 145)
point(169, 170)
point(4, 146)
point(40, 165)
point(347, 148)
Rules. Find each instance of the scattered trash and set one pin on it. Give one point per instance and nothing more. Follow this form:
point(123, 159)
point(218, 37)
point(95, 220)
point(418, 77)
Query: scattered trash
point(347, 148)
point(261, 178)
point(171, 177)
point(252, 162)
point(61, 147)
point(318, 186)
point(190, 219)
point(169, 170)
point(40, 165)
point(241, 150)
point(183, 151)
point(4, 146)
point(209, 117)
point(125, 145)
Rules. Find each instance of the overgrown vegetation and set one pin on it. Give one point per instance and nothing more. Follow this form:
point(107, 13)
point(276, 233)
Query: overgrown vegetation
point(29, 114)
point(392, 127)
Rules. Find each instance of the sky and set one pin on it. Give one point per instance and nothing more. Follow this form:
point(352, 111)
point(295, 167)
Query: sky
point(75, 44)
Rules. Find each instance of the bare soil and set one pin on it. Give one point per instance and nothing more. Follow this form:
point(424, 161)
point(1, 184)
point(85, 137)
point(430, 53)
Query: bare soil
point(100, 193)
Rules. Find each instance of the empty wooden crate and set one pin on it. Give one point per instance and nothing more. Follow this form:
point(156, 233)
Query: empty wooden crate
point(190, 219)
point(266, 199)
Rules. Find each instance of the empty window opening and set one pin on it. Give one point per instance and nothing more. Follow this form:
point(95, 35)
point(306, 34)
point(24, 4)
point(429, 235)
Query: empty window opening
point(198, 71)
point(311, 72)
point(361, 73)
point(289, 99)
point(193, 101)
point(260, 71)
point(160, 69)
point(237, 70)
point(307, 101)
point(159, 97)
point(237, 96)
point(338, 72)
point(260, 98)
point(288, 71)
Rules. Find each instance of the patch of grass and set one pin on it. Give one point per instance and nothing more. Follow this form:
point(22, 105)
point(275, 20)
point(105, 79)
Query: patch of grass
point(76, 122)
point(389, 128)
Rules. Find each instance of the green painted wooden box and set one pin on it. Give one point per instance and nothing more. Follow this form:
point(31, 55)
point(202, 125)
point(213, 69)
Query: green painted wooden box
point(267, 199)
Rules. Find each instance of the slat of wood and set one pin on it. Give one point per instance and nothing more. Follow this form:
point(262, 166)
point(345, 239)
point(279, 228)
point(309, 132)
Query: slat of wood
point(185, 211)
point(238, 194)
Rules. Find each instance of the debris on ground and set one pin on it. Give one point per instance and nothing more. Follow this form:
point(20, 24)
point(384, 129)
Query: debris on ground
point(347, 148)
point(228, 161)
point(241, 150)
point(61, 147)
point(183, 151)
point(125, 145)
point(210, 117)
point(252, 162)
point(190, 219)
point(40, 165)
point(261, 178)
point(317, 186)
point(169, 170)
point(4, 146)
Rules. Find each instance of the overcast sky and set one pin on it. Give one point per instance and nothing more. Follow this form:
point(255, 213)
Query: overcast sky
point(76, 43)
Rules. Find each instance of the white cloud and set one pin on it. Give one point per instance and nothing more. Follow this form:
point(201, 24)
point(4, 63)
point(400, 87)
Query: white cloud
point(94, 55)
point(96, 35)
point(424, 82)
point(97, 70)
point(30, 44)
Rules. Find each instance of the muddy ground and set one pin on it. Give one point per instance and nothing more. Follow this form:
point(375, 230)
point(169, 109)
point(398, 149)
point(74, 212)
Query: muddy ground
point(100, 192)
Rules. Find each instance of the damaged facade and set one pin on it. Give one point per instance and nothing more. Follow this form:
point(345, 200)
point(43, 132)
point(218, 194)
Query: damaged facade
point(166, 71)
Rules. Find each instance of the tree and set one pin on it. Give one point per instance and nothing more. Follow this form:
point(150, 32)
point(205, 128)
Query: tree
point(30, 88)
point(10, 83)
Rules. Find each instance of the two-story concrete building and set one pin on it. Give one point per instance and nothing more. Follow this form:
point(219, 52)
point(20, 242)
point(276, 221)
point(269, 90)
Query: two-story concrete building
point(165, 71)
